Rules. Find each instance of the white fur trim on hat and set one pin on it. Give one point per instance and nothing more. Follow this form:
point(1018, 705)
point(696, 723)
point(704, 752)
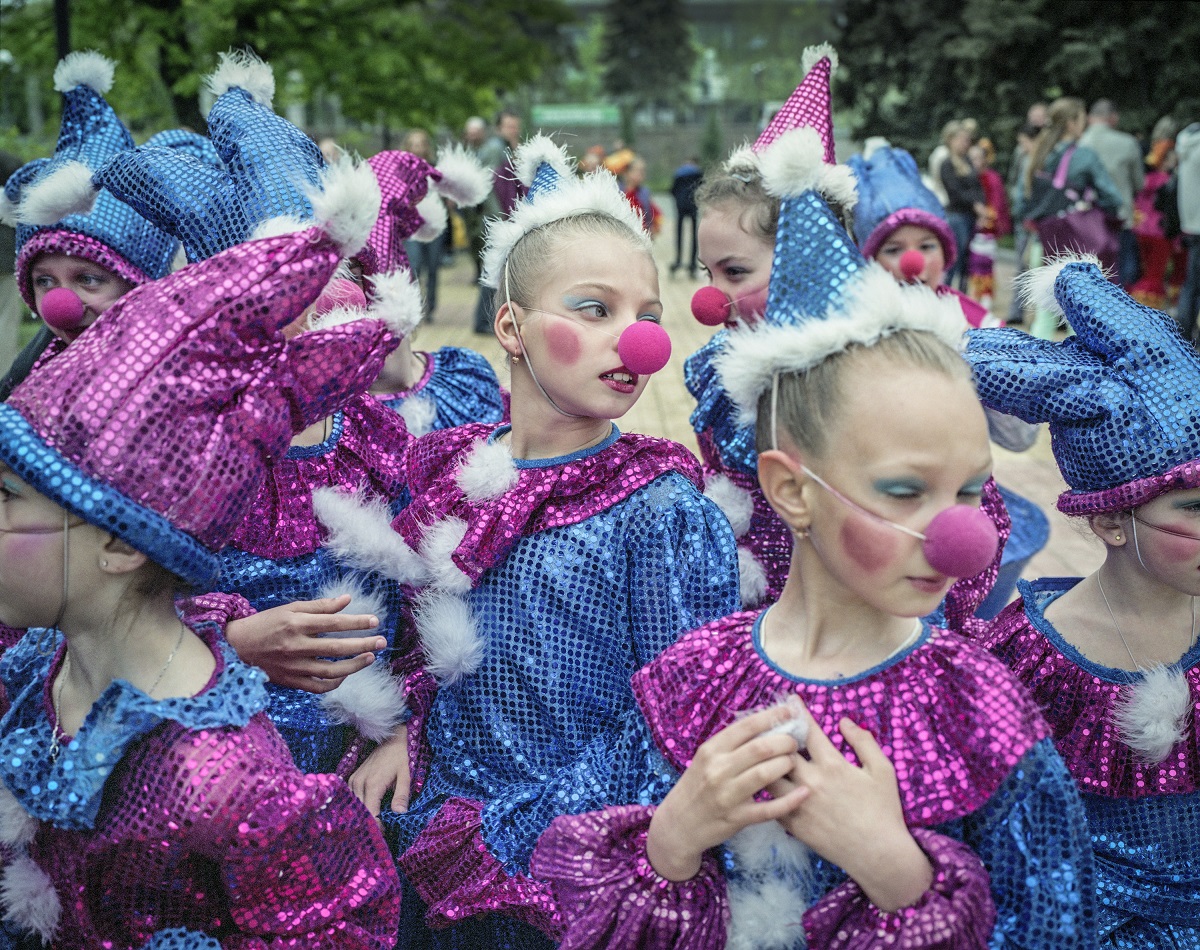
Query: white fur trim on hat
point(449, 636)
point(752, 578)
point(17, 826)
point(1152, 715)
point(795, 163)
point(488, 472)
point(67, 190)
point(29, 898)
point(8, 210)
point(1036, 285)
point(419, 414)
point(530, 156)
point(243, 70)
point(464, 180)
point(371, 700)
point(346, 204)
point(594, 193)
point(84, 68)
point(873, 306)
point(735, 502)
point(434, 219)
point(814, 54)
point(361, 535)
point(396, 300)
point(278, 226)
point(742, 160)
point(439, 542)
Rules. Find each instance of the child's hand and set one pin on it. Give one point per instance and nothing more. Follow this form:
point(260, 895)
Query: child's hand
point(714, 798)
point(288, 644)
point(852, 817)
point(386, 767)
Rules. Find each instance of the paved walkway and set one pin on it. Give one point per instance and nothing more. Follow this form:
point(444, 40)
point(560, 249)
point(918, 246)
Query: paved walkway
point(666, 404)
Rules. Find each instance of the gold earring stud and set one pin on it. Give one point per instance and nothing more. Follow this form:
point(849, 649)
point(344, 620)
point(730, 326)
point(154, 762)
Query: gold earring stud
point(1117, 536)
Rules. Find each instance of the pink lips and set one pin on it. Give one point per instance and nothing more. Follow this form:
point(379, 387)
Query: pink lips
point(928, 585)
point(620, 385)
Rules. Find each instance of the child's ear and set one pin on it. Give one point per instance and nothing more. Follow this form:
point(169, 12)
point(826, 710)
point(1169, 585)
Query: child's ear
point(505, 326)
point(1111, 528)
point(117, 557)
point(783, 483)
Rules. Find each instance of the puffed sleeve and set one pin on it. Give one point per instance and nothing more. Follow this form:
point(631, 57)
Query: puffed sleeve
point(609, 895)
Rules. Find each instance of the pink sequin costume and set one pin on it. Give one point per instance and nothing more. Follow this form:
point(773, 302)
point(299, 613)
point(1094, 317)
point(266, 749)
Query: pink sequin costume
point(181, 823)
point(983, 791)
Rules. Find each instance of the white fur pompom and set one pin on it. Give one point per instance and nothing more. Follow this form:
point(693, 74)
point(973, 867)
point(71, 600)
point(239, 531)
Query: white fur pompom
point(419, 414)
point(838, 184)
point(743, 160)
point(1036, 285)
point(17, 826)
point(814, 54)
point(336, 317)
point(347, 204)
point(766, 847)
point(434, 218)
point(361, 535)
point(67, 190)
point(29, 899)
point(735, 503)
point(278, 226)
point(439, 542)
point(1152, 715)
point(8, 210)
point(449, 636)
point(362, 601)
point(541, 148)
point(371, 700)
point(488, 472)
point(396, 300)
point(797, 723)
point(84, 68)
point(241, 69)
point(464, 180)
point(765, 914)
point(752, 578)
point(791, 165)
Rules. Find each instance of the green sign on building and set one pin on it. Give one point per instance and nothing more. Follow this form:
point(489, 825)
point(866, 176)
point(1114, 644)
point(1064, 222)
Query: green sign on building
point(576, 113)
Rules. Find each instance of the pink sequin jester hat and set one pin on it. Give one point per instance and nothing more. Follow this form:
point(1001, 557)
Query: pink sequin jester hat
point(158, 423)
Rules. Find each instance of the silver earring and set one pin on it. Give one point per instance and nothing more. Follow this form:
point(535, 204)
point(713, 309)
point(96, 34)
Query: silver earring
point(104, 562)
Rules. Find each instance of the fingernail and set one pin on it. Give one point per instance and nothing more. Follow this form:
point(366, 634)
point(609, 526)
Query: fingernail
point(380, 644)
point(374, 622)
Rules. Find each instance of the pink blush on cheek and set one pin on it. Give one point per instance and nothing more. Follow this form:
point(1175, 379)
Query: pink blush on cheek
point(868, 545)
point(563, 342)
point(1175, 549)
point(753, 304)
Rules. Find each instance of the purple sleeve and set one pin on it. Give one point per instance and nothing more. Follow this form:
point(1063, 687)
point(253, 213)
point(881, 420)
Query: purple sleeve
point(608, 895)
point(214, 608)
point(956, 913)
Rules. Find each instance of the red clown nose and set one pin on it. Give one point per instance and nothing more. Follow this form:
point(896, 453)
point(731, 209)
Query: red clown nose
point(710, 306)
point(61, 309)
point(960, 541)
point(911, 264)
point(644, 347)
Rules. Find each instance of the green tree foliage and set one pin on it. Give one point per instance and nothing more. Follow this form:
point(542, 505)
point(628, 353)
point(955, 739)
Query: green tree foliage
point(910, 67)
point(648, 51)
point(402, 62)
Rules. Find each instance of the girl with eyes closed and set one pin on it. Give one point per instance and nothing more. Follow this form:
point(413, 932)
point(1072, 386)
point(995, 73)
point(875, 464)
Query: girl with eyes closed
point(560, 556)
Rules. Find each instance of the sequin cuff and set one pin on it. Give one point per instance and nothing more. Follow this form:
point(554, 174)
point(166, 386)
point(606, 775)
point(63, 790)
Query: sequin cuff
point(956, 911)
point(607, 889)
point(179, 938)
point(214, 607)
point(457, 877)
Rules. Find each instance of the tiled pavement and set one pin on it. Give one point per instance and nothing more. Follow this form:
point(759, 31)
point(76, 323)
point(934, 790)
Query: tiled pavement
point(664, 407)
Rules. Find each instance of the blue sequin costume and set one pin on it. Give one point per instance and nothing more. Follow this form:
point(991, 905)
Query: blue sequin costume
point(458, 386)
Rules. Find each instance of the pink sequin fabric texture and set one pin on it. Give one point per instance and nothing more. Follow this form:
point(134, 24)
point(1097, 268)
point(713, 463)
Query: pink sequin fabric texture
point(404, 180)
point(808, 106)
point(1131, 494)
point(543, 497)
point(1079, 704)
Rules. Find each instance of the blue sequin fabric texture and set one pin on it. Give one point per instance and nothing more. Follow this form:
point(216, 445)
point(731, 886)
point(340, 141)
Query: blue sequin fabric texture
point(1144, 820)
point(458, 386)
point(545, 725)
point(716, 413)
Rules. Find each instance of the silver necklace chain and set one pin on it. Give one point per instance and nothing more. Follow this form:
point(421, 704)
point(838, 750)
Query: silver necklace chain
point(1124, 642)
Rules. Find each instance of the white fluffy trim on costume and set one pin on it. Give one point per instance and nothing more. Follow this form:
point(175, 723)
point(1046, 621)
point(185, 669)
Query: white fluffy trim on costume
point(767, 903)
point(735, 502)
point(8, 210)
point(439, 542)
point(488, 472)
point(84, 68)
point(278, 226)
point(17, 826)
point(464, 180)
point(752, 578)
point(742, 160)
point(1036, 285)
point(594, 193)
point(371, 700)
point(67, 190)
point(872, 307)
point(540, 149)
point(449, 636)
point(814, 54)
point(361, 535)
point(434, 219)
point(419, 414)
point(1152, 715)
point(243, 70)
point(795, 163)
point(29, 898)
point(362, 601)
point(396, 302)
point(797, 723)
point(346, 204)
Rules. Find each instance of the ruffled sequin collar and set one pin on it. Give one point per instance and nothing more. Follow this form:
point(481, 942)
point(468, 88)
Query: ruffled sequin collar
point(950, 718)
point(1078, 696)
point(543, 493)
point(364, 449)
point(715, 412)
point(67, 792)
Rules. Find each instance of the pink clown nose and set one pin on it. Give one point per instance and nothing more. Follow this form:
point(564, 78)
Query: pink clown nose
point(644, 347)
point(710, 306)
point(911, 264)
point(342, 293)
point(961, 541)
point(61, 309)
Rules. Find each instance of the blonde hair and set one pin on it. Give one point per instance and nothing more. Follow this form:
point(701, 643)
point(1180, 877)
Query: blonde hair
point(1060, 115)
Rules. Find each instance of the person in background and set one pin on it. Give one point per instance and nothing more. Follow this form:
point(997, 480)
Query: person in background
point(638, 194)
point(592, 159)
point(1155, 233)
point(965, 201)
point(1121, 156)
point(496, 154)
point(996, 223)
point(684, 182)
point(1026, 136)
point(425, 257)
point(11, 308)
point(1187, 147)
